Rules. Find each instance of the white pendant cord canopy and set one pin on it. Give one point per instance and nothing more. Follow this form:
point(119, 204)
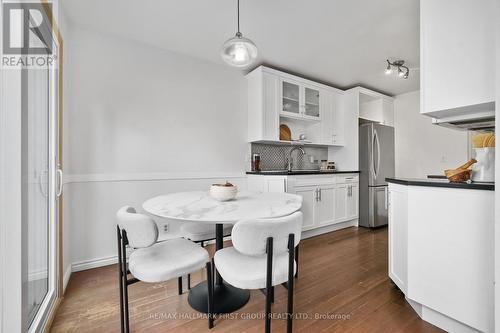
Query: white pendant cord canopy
point(239, 51)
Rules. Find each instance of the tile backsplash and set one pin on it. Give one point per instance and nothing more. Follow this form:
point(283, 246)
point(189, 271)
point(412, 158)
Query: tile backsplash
point(275, 157)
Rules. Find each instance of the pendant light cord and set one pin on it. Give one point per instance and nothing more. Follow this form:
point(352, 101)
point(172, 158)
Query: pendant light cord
point(238, 16)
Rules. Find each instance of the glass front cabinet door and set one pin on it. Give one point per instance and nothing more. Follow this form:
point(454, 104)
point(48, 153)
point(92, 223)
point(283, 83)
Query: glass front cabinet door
point(291, 98)
point(311, 102)
point(298, 100)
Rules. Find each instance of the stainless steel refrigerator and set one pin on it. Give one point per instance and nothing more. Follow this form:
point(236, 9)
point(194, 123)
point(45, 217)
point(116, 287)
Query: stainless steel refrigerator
point(376, 163)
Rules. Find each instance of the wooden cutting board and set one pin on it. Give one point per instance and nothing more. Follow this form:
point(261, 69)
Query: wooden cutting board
point(285, 133)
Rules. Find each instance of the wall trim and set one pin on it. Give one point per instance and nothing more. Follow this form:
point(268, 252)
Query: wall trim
point(93, 263)
point(121, 177)
point(67, 275)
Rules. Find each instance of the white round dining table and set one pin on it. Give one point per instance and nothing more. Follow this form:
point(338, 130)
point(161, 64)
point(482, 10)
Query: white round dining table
point(199, 206)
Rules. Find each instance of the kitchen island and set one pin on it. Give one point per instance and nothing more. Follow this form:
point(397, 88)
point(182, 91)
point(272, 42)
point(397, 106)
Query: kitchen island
point(441, 250)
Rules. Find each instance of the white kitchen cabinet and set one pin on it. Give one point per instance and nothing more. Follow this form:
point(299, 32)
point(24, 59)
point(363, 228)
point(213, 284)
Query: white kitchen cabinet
point(300, 100)
point(306, 107)
point(324, 201)
point(263, 116)
point(457, 56)
point(309, 198)
point(398, 235)
point(346, 198)
point(373, 106)
point(332, 123)
point(441, 254)
point(260, 183)
point(341, 203)
point(318, 205)
point(325, 205)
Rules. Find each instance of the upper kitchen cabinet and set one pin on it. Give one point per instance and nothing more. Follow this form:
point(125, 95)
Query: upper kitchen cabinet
point(299, 101)
point(306, 107)
point(372, 106)
point(457, 56)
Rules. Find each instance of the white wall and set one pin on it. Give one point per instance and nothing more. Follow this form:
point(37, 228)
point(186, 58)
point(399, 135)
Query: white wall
point(421, 147)
point(139, 122)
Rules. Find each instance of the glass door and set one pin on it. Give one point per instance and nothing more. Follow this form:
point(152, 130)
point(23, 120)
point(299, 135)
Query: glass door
point(41, 186)
point(36, 190)
point(311, 102)
point(290, 95)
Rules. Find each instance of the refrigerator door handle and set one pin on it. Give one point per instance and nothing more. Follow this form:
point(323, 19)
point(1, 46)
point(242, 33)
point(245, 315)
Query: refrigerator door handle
point(378, 153)
point(373, 155)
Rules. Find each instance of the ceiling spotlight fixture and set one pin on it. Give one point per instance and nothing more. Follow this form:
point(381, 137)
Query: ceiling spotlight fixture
point(388, 70)
point(239, 51)
point(403, 71)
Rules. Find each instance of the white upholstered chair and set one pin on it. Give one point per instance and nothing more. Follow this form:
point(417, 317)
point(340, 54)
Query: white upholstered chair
point(262, 256)
point(153, 261)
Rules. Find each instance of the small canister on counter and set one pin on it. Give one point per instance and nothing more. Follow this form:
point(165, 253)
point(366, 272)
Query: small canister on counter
point(256, 162)
point(323, 165)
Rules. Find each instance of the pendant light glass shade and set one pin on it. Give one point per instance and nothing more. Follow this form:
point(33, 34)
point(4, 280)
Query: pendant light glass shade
point(239, 51)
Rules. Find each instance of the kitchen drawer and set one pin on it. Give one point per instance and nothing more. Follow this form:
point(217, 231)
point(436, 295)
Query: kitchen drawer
point(311, 180)
point(347, 178)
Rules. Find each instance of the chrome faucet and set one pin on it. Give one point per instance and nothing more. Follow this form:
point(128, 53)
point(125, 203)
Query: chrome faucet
point(290, 158)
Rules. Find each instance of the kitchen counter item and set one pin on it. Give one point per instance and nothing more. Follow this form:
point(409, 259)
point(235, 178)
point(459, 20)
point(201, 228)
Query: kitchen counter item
point(434, 182)
point(484, 169)
point(256, 162)
point(460, 174)
point(285, 133)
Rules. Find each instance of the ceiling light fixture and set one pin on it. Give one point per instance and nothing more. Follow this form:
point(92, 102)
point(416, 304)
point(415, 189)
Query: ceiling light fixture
point(403, 71)
point(239, 51)
point(388, 70)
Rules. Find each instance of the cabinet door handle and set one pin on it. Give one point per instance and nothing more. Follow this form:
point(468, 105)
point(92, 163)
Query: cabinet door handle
point(316, 194)
point(319, 191)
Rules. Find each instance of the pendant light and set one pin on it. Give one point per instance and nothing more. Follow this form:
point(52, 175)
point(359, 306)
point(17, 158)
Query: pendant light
point(239, 51)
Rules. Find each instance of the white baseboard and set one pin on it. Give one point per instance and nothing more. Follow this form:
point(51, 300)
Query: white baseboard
point(440, 320)
point(329, 228)
point(66, 277)
point(93, 263)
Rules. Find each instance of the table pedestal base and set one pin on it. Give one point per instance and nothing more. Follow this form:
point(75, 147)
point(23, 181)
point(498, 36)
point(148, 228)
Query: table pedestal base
point(226, 298)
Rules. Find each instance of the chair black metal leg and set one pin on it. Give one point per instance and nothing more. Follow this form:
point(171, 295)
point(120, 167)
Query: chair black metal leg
point(120, 278)
point(297, 260)
point(125, 285)
point(219, 244)
point(269, 286)
point(189, 281)
point(210, 287)
point(291, 263)
point(179, 284)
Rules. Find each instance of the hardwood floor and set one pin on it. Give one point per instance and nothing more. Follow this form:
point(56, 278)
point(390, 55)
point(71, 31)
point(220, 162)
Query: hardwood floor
point(342, 287)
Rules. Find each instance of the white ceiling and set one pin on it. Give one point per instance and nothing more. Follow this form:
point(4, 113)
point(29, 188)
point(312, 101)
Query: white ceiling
point(340, 42)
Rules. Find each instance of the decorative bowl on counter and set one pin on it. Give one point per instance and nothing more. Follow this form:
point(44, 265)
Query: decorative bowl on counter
point(223, 192)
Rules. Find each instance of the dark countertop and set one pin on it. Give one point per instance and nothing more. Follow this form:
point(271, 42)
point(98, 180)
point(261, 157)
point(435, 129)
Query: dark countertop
point(436, 182)
point(297, 172)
